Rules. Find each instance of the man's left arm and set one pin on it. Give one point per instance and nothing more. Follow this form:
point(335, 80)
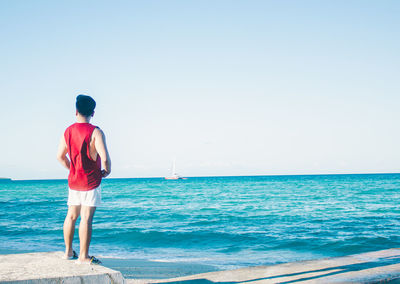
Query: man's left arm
point(62, 153)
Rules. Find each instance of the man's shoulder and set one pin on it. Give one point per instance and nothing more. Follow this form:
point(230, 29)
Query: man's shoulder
point(71, 126)
point(97, 131)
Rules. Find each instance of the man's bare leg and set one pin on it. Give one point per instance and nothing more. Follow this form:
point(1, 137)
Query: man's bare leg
point(85, 232)
point(69, 228)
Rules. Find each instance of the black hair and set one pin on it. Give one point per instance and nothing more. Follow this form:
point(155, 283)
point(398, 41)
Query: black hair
point(85, 105)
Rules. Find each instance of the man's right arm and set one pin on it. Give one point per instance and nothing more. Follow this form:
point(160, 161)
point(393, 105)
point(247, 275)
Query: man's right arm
point(62, 153)
point(101, 148)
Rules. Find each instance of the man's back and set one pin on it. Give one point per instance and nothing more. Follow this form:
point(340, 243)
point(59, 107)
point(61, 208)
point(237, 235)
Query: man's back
point(85, 170)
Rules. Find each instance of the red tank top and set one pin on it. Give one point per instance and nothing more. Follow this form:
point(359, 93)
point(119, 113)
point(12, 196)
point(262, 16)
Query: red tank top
point(84, 172)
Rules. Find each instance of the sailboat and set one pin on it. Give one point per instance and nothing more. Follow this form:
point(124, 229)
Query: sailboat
point(174, 175)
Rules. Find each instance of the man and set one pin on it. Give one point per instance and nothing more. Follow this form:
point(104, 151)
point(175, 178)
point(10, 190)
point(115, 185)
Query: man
point(87, 154)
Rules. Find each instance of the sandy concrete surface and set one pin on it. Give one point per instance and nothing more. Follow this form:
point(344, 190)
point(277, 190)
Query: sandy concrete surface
point(49, 267)
point(372, 267)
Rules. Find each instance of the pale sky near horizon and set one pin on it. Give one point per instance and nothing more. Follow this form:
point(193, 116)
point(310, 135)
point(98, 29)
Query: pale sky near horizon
point(226, 87)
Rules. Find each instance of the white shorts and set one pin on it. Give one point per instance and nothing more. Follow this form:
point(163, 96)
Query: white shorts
point(90, 198)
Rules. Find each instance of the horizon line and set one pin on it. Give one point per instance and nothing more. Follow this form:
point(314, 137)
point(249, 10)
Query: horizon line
point(210, 176)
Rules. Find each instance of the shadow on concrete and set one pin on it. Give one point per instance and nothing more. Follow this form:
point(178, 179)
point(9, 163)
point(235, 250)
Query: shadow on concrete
point(334, 270)
point(197, 281)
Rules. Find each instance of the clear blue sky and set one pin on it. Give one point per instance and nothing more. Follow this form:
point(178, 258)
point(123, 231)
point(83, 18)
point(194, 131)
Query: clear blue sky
point(226, 87)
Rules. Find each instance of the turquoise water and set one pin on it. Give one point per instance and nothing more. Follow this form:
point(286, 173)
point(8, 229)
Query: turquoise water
point(227, 222)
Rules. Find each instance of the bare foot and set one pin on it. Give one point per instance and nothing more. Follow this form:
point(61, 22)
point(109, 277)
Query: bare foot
point(83, 260)
point(90, 260)
point(70, 255)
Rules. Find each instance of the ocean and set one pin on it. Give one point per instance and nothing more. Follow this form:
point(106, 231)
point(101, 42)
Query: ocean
point(223, 222)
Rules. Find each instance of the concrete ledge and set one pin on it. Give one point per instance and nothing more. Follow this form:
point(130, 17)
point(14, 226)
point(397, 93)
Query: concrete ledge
point(372, 267)
point(49, 267)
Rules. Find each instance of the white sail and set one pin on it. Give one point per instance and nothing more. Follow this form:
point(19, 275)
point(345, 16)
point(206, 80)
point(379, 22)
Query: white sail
point(174, 175)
